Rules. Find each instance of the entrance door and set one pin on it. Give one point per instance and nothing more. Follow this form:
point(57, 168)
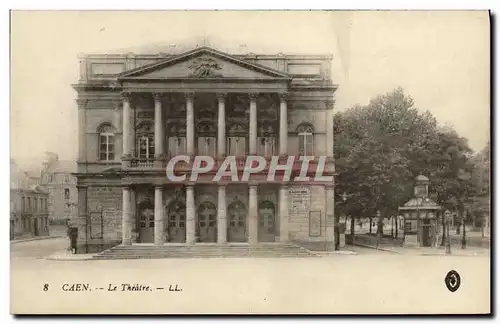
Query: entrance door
point(176, 226)
point(146, 222)
point(267, 230)
point(426, 233)
point(207, 223)
point(237, 215)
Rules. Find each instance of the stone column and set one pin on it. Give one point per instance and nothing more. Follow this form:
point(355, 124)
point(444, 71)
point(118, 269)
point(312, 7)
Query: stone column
point(190, 123)
point(221, 132)
point(283, 124)
point(159, 216)
point(82, 223)
point(253, 214)
point(127, 126)
point(252, 134)
point(283, 205)
point(329, 128)
point(190, 215)
point(221, 216)
point(82, 131)
point(133, 215)
point(126, 217)
point(158, 129)
point(331, 221)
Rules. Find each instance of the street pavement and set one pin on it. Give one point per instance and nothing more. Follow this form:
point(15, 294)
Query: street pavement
point(371, 282)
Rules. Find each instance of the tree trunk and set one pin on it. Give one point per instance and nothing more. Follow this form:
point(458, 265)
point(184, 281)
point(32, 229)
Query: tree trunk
point(396, 223)
point(370, 225)
point(352, 229)
point(443, 239)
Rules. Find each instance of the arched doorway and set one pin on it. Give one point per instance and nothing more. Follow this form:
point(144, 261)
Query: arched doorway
point(176, 225)
point(206, 225)
point(267, 224)
point(237, 215)
point(146, 218)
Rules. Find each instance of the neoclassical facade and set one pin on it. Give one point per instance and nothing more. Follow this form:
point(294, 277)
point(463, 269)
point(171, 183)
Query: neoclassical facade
point(137, 111)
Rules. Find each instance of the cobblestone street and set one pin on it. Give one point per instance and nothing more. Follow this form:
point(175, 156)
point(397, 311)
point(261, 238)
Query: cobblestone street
point(369, 282)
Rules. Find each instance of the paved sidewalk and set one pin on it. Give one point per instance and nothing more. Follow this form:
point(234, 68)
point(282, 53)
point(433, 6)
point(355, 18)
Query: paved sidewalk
point(455, 250)
point(68, 256)
point(35, 238)
point(331, 253)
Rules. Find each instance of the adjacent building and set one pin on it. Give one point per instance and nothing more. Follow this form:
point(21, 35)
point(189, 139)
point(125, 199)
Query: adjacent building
point(57, 179)
point(138, 110)
point(28, 205)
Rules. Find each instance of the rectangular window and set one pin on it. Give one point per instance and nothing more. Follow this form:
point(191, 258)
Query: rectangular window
point(207, 146)
point(177, 146)
point(29, 204)
point(236, 146)
point(66, 193)
point(106, 147)
point(266, 146)
point(146, 147)
point(306, 144)
point(66, 178)
point(35, 204)
point(23, 205)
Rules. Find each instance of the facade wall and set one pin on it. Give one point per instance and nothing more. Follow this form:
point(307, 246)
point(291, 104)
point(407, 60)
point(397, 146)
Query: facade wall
point(29, 214)
point(104, 197)
point(61, 206)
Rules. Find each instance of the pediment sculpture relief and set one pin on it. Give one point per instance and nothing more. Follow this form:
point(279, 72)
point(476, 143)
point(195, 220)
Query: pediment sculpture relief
point(205, 67)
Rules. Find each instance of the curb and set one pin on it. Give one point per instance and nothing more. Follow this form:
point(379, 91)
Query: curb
point(36, 238)
point(85, 257)
point(375, 248)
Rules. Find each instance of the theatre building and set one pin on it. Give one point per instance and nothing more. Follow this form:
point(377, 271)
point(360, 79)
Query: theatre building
point(136, 111)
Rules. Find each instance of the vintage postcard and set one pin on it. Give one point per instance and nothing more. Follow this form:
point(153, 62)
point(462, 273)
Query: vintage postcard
point(250, 162)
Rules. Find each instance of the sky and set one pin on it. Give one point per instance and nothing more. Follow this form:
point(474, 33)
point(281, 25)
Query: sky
point(441, 59)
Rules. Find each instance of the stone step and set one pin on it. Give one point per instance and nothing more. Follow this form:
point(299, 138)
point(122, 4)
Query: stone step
point(200, 251)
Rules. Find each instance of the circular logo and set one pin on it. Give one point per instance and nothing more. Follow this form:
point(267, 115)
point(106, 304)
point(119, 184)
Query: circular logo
point(452, 281)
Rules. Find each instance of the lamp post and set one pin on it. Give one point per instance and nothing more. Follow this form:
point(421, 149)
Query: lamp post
point(447, 215)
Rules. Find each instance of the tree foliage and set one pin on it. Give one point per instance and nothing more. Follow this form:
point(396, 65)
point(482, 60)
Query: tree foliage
point(380, 148)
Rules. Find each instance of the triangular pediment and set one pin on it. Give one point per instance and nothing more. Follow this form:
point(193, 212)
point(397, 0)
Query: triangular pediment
point(203, 63)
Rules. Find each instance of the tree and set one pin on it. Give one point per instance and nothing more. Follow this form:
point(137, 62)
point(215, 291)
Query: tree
point(380, 148)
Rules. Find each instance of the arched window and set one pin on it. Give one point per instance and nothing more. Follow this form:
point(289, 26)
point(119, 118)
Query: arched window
point(177, 139)
point(305, 133)
point(266, 142)
point(106, 142)
point(145, 140)
point(236, 140)
point(206, 139)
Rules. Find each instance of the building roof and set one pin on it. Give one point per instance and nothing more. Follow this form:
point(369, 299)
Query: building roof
point(21, 179)
point(62, 166)
point(421, 178)
point(180, 46)
point(420, 203)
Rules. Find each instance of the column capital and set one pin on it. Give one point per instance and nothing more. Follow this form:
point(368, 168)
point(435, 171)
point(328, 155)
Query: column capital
point(253, 185)
point(283, 96)
point(82, 103)
point(221, 96)
point(253, 96)
point(158, 186)
point(126, 187)
point(125, 96)
point(330, 104)
point(157, 96)
point(284, 186)
point(189, 95)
